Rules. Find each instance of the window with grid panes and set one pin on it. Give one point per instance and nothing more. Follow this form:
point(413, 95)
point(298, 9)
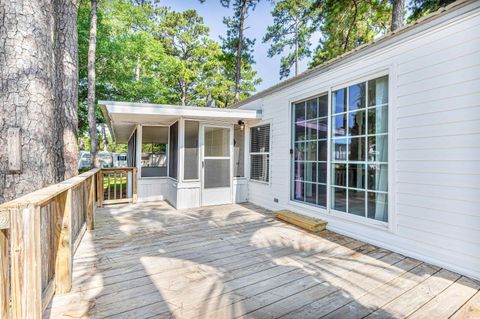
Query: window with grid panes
point(359, 144)
point(310, 121)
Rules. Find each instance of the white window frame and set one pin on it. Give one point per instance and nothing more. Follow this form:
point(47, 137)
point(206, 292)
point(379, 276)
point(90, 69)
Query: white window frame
point(325, 92)
point(332, 162)
point(250, 153)
point(390, 71)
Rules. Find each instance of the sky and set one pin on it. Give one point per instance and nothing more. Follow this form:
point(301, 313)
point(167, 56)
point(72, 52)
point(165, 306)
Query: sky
point(257, 22)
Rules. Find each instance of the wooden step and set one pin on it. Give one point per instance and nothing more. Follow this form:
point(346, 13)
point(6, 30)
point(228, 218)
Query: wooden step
point(309, 223)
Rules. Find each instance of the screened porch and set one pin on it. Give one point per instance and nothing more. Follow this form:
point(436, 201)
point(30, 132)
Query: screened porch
point(188, 156)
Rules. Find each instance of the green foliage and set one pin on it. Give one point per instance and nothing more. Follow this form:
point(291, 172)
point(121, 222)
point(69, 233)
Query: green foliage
point(291, 30)
point(248, 76)
point(149, 53)
point(186, 38)
point(420, 8)
point(344, 25)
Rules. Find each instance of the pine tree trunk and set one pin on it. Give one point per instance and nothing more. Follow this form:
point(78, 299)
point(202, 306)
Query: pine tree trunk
point(104, 138)
point(296, 50)
point(137, 69)
point(238, 71)
point(38, 72)
point(183, 92)
point(66, 86)
point(398, 12)
point(92, 46)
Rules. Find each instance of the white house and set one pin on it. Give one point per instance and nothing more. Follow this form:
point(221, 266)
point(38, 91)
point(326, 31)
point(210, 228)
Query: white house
point(382, 142)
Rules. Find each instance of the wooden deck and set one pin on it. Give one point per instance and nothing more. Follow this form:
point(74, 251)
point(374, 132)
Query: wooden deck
point(151, 261)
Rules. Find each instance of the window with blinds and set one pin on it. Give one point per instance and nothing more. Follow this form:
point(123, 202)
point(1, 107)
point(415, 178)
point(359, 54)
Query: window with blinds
point(260, 153)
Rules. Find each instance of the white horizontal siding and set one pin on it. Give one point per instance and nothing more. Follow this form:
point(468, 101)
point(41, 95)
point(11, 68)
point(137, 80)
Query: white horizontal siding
point(435, 104)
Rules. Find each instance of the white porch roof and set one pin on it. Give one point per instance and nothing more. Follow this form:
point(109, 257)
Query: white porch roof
point(122, 117)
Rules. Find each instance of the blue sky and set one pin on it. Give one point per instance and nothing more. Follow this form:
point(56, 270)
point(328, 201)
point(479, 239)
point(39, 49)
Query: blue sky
point(257, 23)
point(258, 20)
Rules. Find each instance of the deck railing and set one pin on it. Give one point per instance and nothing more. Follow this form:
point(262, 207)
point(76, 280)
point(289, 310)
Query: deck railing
point(118, 186)
point(39, 234)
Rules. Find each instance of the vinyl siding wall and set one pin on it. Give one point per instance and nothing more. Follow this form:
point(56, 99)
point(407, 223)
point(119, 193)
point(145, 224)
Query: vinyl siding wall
point(434, 142)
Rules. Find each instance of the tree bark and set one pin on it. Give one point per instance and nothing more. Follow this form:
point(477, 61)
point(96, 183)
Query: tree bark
point(137, 68)
point(66, 87)
point(398, 13)
point(92, 47)
point(352, 25)
point(296, 50)
point(38, 85)
point(104, 138)
point(183, 92)
point(238, 72)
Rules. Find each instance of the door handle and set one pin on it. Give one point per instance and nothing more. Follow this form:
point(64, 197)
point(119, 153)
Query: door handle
point(203, 164)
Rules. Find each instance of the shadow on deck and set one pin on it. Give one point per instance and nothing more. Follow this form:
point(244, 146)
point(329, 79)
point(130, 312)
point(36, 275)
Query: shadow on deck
point(152, 261)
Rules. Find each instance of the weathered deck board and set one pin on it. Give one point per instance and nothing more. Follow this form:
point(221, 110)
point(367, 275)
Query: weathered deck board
point(232, 261)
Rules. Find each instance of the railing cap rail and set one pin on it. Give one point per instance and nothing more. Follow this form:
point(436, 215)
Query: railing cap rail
point(119, 169)
point(45, 194)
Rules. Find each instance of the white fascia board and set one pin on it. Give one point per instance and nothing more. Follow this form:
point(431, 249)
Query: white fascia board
point(180, 111)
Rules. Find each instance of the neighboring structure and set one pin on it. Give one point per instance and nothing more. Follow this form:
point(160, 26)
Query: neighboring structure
point(383, 143)
point(85, 160)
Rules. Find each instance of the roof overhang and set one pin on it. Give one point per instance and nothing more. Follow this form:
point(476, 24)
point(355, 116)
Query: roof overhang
point(122, 117)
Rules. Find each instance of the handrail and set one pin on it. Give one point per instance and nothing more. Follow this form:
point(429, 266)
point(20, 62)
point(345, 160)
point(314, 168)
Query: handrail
point(43, 195)
point(39, 233)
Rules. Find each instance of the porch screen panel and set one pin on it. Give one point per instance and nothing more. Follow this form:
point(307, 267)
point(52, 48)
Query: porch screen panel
point(360, 149)
point(310, 129)
point(191, 150)
point(217, 173)
point(173, 151)
point(132, 150)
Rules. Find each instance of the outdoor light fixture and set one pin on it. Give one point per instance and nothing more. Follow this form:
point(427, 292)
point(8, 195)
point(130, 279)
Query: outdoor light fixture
point(242, 124)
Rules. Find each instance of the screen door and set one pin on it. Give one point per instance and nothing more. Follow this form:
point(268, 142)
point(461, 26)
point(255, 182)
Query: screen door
point(216, 165)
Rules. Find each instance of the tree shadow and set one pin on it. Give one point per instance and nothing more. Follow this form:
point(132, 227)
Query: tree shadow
point(152, 261)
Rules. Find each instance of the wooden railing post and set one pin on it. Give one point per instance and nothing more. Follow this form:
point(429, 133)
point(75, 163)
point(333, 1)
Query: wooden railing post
point(4, 276)
point(134, 185)
point(63, 231)
point(91, 203)
point(26, 266)
point(100, 188)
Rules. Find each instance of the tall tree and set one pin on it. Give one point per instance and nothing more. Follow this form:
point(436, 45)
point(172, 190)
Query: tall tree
point(420, 8)
point(398, 14)
point(66, 87)
point(39, 93)
point(345, 25)
point(292, 28)
point(185, 37)
point(104, 138)
point(124, 37)
point(236, 43)
point(236, 39)
point(92, 47)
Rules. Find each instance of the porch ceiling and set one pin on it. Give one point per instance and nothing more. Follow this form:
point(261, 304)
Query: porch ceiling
point(122, 117)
